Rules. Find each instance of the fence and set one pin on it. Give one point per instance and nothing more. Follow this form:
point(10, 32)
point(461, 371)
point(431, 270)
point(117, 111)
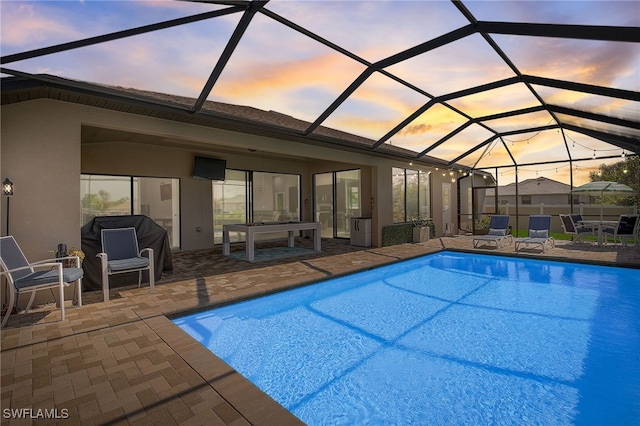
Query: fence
point(520, 221)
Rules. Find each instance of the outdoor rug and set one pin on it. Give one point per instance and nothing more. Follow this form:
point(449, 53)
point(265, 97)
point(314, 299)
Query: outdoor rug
point(272, 253)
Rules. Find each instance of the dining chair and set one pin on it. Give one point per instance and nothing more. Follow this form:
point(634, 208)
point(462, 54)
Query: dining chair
point(627, 228)
point(571, 226)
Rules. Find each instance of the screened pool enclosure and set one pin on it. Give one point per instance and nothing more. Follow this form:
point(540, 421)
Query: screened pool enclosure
point(496, 92)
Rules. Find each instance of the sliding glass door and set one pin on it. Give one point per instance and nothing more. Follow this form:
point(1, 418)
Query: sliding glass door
point(323, 206)
point(247, 196)
point(275, 197)
point(230, 203)
point(337, 198)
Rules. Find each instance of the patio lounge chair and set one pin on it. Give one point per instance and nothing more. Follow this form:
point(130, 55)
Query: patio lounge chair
point(571, 225)
point(23, 276)
point(120, 255)
point(498, 232)
point(539, 233)
point(627, 228)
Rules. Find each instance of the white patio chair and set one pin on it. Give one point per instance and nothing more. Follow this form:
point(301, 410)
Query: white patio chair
point(539, 233)
point(24, 277)
point(498, 232)
point(120, 255)
point(571, 226)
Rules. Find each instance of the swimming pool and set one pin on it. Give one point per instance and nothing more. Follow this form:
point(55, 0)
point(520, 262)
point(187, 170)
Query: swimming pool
point(449, 338)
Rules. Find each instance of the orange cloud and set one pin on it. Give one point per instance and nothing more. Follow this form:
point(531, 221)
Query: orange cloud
point(416, 129)
point(266, 77)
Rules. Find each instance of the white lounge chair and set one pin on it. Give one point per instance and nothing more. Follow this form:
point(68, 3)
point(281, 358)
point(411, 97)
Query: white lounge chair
point(539, 233)
point(498, 232)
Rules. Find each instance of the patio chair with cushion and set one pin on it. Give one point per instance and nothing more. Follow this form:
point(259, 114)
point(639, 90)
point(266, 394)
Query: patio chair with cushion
point(571, 225)
point(120, 255)
point(24, 277)
point(498, 232)
point(539, 233)
point(627, 228)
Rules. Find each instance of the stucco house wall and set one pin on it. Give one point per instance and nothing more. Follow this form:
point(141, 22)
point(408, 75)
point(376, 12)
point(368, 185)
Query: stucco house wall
point(44, 153)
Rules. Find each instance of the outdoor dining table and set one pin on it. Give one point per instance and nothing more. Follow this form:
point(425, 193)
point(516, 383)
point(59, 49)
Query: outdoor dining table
point(599, 225)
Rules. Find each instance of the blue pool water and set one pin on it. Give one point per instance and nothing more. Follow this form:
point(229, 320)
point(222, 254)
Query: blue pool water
point(446, 339)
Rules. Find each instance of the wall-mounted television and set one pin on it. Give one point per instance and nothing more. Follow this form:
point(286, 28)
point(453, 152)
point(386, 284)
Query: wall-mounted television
point(209, 168)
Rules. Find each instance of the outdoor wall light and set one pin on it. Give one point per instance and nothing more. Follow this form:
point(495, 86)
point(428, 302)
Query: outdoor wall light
point(7, 187)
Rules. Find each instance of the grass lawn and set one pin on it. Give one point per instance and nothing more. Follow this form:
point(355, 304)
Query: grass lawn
point(558, 236)
point(562, 236)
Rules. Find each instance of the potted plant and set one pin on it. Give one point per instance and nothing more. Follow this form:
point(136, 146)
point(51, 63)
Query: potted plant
point(482, 226)
point(422, 229)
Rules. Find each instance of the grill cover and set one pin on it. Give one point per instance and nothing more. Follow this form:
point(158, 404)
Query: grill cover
point(150, 235)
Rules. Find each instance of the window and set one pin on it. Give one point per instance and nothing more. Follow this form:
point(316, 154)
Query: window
point(526, 200)
point(411, 195)
point(157, 198)
point(399, 195)
point(105, 196)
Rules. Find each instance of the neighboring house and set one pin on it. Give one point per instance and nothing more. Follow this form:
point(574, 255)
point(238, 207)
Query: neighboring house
point(536, 191)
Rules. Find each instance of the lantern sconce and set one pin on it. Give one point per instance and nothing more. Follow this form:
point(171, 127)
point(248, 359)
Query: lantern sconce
point(7, 190)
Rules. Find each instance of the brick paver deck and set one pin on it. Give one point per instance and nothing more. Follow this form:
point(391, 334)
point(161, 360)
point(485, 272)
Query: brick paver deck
point(124, 362)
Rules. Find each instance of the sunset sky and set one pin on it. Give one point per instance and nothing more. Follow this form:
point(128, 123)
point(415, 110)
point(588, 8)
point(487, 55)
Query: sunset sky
point(277, 68)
